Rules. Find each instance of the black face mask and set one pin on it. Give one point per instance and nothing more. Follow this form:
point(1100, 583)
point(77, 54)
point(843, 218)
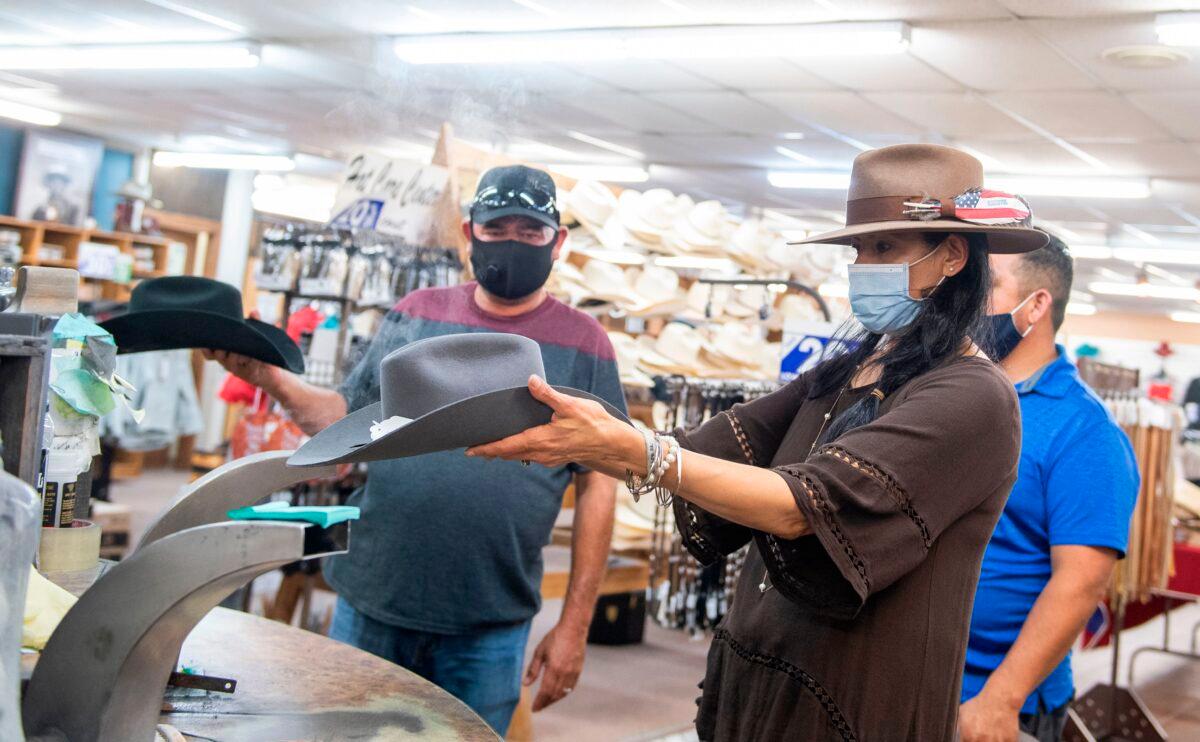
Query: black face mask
point(511, 269)
point(1003, 335)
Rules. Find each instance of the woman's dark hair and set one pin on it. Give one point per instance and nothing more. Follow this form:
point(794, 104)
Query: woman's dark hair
point(951, 314)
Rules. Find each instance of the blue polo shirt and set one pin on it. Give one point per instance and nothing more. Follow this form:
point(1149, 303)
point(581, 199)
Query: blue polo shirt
point(1077, 483)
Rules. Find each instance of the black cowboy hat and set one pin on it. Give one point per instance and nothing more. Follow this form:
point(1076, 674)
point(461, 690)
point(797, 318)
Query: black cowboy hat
point(194, 312)
point(439, 394)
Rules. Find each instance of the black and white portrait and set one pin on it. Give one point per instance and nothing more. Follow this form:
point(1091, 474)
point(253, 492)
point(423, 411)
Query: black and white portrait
point(57, 173)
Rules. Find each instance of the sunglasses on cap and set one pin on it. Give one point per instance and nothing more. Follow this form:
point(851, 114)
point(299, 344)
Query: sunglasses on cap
point(526, 199)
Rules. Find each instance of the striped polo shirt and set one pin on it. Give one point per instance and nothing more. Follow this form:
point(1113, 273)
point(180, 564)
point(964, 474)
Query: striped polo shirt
point(451, 544)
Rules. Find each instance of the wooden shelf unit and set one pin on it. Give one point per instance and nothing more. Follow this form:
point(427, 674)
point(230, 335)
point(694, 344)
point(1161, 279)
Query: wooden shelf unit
point(36, 234)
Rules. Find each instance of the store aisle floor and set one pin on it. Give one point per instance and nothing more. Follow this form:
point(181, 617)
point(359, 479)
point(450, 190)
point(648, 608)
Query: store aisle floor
point(646, 692)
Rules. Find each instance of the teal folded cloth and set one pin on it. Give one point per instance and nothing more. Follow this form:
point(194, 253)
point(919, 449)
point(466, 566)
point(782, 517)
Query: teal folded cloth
point(321, 516)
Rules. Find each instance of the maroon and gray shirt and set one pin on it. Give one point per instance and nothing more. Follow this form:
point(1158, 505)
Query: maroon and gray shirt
point(448, 543)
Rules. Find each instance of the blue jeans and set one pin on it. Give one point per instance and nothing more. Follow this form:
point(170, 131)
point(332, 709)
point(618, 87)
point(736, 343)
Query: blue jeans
point(483, 670)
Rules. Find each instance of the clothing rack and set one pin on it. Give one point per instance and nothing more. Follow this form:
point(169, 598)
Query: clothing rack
point(683, 594)
point(1108, 711)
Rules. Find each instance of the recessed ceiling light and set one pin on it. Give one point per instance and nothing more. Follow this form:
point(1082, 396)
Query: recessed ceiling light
point(1145, 56)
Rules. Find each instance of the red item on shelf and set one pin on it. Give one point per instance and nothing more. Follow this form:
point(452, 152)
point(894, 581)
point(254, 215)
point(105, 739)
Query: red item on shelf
point(305, 319)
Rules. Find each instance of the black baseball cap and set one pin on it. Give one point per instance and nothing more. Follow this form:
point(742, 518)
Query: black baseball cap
point(516, 190)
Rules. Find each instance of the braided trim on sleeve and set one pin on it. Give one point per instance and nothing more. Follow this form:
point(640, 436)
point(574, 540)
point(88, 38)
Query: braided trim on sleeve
point(887, 482)
point(821, 504)
point(703, 550)
point(742, 439)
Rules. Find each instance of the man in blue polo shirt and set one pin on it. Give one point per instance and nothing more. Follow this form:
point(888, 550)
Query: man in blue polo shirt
point(1066, 521)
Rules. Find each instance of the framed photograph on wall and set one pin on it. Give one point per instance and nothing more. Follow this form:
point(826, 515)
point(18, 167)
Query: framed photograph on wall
point(56, 178)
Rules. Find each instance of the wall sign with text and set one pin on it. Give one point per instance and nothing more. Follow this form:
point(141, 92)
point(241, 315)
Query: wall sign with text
point(391, 197)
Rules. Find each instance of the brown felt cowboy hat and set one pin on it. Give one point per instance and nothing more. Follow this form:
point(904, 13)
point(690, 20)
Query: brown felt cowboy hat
point(931, 188)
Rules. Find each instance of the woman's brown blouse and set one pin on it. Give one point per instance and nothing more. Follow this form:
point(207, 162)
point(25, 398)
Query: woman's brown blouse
point(860, 631)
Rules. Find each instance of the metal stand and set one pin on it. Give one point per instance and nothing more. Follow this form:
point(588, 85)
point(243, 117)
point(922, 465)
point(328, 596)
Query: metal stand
point(1109, 712)
point(236, 484)
point(803, 288)
point(1168, 596)
point(102, 675)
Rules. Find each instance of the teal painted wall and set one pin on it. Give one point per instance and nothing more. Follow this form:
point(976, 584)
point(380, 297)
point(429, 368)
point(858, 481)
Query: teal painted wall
point(11, 139)
point(116, 167)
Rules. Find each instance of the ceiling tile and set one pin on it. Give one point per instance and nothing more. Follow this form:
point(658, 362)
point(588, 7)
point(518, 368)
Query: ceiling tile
point(1081, 114)
point(1178, 111)
point(1161, 159)
point(730, 111)
point(756, 74)
point(995, 55)
point(1086, 39)
point(883, 72)
point(846, 113)
point(1035, 158)
point(954, 115)
point(645, 114)
point(649, 76)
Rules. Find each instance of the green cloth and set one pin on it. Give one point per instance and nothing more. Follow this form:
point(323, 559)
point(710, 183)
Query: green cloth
point(82, 391)
point(322, 516)
point(77, 327)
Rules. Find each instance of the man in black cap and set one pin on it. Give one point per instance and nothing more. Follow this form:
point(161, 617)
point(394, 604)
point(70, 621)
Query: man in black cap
point(445, 572)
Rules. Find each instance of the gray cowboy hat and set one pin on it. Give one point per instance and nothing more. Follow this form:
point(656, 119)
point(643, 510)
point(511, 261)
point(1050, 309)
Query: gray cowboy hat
point(440, 394)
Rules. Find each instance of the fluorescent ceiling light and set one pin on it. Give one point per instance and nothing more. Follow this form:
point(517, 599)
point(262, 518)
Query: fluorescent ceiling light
point(1145, 290)
point(218, 161)
point(129, 57)
point(1192, 317)
point(1075, 307)
point(1178, 29)
point(605, 173)
point(678, 42)
point(834, 290)
point(1091, 252)
point(1160, 255)
point(605, 144)
point(1030, 185)
point(794, 155)
point(29, 114)
point(839, 181)
point(536, 7)
point(793, 135)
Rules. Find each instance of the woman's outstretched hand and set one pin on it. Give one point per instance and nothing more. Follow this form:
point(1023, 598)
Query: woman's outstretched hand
point(580, 431)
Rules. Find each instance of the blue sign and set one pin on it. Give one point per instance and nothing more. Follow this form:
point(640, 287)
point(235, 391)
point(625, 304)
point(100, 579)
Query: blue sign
point(804, 345)
point(361, 214)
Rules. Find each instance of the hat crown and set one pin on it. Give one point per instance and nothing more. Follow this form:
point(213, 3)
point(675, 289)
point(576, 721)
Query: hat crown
point(187, 293)
point(926, 170)
point(429, 374)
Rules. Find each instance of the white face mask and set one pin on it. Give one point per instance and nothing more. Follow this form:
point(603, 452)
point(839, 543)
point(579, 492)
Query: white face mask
point(879, 295)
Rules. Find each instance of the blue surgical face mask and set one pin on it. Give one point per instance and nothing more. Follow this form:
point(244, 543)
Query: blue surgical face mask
point(879, 296)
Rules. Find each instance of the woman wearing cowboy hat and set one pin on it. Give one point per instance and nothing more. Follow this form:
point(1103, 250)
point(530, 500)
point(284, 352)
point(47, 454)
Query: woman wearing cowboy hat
point(867, 488)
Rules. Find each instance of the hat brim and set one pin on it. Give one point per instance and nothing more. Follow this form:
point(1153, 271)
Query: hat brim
point(483, 216)
point(485, 418)
point(173, 329)
point(1004, 240)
